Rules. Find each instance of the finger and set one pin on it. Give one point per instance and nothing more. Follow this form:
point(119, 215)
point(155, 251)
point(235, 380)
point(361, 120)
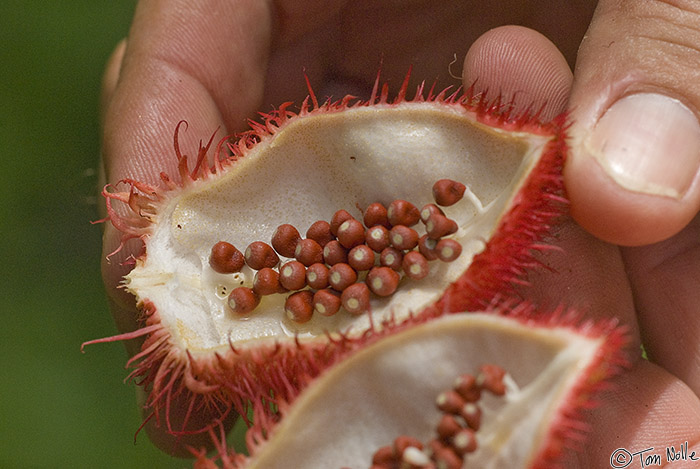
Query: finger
point(111, 76)
point(647, 409)
point(207, 70)
point(665, 278)
point(632, 175)
point(200, 61)
point(521, 66)
point(585, 275)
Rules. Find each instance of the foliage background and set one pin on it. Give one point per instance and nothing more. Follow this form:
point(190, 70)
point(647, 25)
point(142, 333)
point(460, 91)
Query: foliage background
point(58, 407)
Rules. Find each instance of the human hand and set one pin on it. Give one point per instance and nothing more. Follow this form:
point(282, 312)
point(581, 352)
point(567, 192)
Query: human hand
point(215, 63)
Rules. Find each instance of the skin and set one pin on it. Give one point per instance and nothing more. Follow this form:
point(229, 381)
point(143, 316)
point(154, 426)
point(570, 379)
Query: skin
point(216, 63)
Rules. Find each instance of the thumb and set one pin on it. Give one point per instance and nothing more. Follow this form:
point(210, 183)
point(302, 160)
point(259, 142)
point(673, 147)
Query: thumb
point(633, 173)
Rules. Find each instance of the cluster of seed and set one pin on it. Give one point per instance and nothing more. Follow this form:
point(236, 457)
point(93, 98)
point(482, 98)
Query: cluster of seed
point(456, 431)
point(345, 260)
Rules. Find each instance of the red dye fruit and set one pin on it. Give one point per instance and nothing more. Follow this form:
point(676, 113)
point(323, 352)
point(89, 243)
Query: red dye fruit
point(225, 258)
point(299, 167)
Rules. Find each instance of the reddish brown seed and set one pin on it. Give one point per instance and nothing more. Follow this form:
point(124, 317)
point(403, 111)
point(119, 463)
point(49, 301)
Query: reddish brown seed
point(447, 192)
point(225, 258)
point(355, 298)
point(376, 214)
point(471, 413)
point(401, 212)
point(445, 456)
point(339, 217)
point(320, 232)
point(384, 456)
point(466, 386)
point(308, 252)
point(438, 226)
point(448, 427)
point(428, 210)
point(267, 282)
point(490, 377)
point(299, 306)
point(464, 442)
point(293, 275)
point(259, 255)
point(377, 238)
point(403, 238)
point(361, 258)
point(334, 253)
point(317, 276)
point(448, 249)
point(450, 402)
point(341, 276)
point(404, 441)
point(415, 265)
point(414, 458)
point(426, 246)
point(351, 233)
point(391, 257)
point(285, 239)
point(243, 300)
point(326, 302)
point(382, 281)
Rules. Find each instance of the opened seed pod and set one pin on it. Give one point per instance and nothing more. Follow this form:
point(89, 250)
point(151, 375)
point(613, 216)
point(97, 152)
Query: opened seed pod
point(213, 334)
point(476, 390)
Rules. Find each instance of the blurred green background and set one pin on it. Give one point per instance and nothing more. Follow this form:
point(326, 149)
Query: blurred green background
point(58, 407)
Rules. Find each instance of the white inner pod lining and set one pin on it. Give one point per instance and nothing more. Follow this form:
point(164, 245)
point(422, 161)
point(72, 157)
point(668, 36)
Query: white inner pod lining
point(307, 171)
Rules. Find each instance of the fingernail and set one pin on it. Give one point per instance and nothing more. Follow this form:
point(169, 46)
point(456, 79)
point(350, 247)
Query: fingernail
point(648, 143)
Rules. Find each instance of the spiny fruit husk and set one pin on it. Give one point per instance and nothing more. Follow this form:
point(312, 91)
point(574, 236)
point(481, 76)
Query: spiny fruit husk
point(394, 387)
point(298, 168)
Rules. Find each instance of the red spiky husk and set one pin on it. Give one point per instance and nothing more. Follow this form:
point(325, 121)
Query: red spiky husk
point(240, 376)
point(567, 429)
